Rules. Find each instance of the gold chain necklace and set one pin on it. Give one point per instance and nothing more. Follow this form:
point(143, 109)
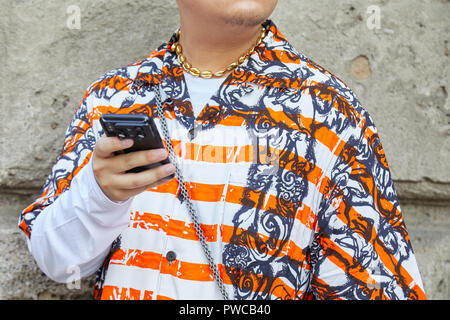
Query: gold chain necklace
point(176, 47)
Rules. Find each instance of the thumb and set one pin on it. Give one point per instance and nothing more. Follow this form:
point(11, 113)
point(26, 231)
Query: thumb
point(106, 146)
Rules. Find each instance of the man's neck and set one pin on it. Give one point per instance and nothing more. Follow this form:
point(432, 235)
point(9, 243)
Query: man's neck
point(214, 47)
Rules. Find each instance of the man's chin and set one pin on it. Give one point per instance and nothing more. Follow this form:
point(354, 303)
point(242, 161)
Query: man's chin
point(245, 20)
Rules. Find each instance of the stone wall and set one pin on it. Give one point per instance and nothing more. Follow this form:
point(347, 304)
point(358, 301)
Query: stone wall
point(394, 54)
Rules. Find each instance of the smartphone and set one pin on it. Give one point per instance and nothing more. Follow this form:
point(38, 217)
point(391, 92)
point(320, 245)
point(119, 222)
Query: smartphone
point(139, 127)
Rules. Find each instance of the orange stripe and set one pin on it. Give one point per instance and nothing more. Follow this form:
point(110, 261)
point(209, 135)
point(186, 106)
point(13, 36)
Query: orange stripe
point(321, 90)
point(304, 213)
point(281, 55)
point(25, 228)
point(180, 229)
point(72, 141)
point(324, 135)
point(214, 154)
point(306, 216)
point(168, 187)
point(137, 258)
point(115, 82)
point(323, 290)
point(205, 192)
point(281, 290)
point(111, 292)
point(197, 191)
point(233, 121)
point(291, 250)
point(151, 260)
point(98, 111)
point(188, 271)
point(223, 154)
point(353, 268)
point(174, 72)
point(296, 253)
point(361, 173)
point(201, 191)
point(356, 222)
point(160, 297)
point(64, 183)
point(176, 228)
point(236, 193)
point(385, 207)
point(180, 269)
point(114, 292)
point(278, 288)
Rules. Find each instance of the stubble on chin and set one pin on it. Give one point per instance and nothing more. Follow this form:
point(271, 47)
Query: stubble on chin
point(244, 19)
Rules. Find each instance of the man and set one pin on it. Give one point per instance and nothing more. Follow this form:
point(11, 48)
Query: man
point(284, 167)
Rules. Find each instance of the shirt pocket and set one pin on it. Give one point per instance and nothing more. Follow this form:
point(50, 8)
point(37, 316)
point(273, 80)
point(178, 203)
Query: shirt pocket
point(245, 204)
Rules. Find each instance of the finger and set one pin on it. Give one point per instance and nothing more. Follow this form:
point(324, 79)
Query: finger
point(125, 162)
point(157, 183)
point(130, 193)
point(130, 181)
point(106, 146)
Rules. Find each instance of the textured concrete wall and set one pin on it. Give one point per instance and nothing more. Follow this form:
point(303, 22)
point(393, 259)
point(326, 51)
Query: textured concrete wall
point(397, 62)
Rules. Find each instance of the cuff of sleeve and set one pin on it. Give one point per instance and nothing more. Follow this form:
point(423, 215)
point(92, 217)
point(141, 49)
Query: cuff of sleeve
point(102, 209)
point(93, 185)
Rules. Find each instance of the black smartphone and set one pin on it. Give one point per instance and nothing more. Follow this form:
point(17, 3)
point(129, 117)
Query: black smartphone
point(139, 127)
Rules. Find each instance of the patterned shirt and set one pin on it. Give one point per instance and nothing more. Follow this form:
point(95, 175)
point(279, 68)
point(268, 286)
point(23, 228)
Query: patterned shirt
point(286, 171)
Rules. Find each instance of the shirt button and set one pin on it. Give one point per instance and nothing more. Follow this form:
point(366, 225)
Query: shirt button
point(171, 256)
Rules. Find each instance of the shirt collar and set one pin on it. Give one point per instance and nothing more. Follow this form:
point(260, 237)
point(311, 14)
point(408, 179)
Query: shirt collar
point(265, 67)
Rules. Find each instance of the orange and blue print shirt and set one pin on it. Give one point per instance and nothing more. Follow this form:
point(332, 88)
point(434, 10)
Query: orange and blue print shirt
point(286, 171)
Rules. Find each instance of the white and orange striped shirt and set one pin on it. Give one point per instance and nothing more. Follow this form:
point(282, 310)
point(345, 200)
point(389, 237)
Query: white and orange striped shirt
point(286, 172)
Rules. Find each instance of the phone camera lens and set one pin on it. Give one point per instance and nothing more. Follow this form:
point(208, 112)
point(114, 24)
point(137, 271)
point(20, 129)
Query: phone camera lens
point(121, 134)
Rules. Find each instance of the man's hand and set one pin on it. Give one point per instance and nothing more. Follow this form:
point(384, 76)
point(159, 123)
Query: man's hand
point(109, 169)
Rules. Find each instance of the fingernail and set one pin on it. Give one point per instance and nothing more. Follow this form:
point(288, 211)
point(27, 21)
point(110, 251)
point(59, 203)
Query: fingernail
point(127, 142)
point(162, 153)
point(170, 168)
